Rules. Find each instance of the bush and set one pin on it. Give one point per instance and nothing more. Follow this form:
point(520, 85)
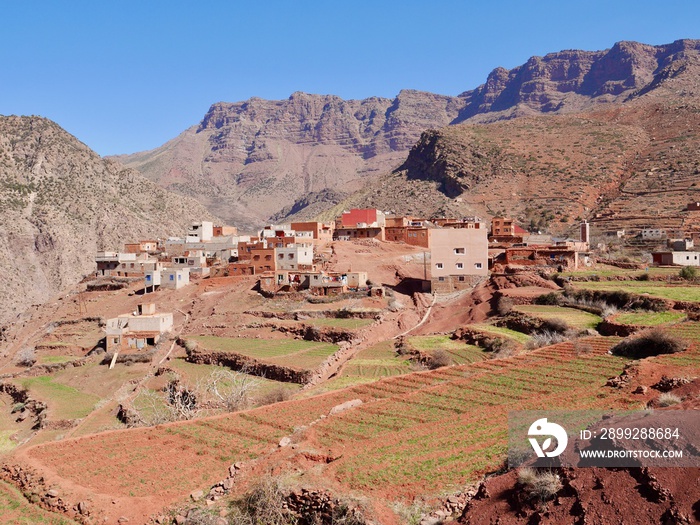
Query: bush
point(647, 344)
point(668, 399)
point(551, 299)
point(438, 359)
point(689, 273)
point(26, 356)
point(545, 338)
point(555, 325)
point(644, 277)
point(276, 395)
point(190, 346)
point(504, 305)
point(540, 486)
point(265, 503)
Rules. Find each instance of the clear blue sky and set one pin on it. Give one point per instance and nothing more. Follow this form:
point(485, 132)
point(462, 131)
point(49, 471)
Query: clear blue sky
point(125, 75)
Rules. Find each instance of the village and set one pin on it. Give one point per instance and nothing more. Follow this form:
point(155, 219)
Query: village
point(287, 259)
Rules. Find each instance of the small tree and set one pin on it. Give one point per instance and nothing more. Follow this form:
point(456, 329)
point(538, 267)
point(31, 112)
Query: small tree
point(689, 273)
point(231, 390)
point(438, 359)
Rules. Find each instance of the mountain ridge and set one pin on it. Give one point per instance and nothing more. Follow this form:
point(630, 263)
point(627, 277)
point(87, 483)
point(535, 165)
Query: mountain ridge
point(254, 160)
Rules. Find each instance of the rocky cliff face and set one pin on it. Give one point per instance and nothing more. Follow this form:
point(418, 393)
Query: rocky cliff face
point(249, 161)
point(60, 203)
point(570, 81)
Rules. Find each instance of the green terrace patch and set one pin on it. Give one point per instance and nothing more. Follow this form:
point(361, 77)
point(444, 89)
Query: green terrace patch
point(284, 352)
point(335, 322)
point(65, 402)
point(460, 352)
point(649, 318)
point(673, 292)
point(501, 331)
point(571, 316)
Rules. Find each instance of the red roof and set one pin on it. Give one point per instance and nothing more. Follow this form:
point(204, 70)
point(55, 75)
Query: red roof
point(518, 230)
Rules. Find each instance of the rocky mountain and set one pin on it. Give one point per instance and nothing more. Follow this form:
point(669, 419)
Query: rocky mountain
point(631, 164)
point(60, 203)
point(255, 160)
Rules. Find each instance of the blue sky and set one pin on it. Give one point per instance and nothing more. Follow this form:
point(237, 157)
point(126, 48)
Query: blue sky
point(126, 76)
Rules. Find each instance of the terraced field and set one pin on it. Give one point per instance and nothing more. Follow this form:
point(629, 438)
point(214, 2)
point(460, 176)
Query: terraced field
point(65, 402)
point(675, 292)
point(457, 413)
point(501, 331)
point(293, 353)
point(368, 365)
point(649, 318)
point(333, 322)
point(571, 316)
point(14, 508)
point(460, 352)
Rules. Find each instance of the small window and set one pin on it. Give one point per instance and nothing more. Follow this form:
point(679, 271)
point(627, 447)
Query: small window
point(478, 266)
point(116, 340)
point(460, 266)
point(441, 279)
point(172, 277)
point(179, 277)
point(459, 251)
point(280, 256)
point(461, 278)
point(438, 266)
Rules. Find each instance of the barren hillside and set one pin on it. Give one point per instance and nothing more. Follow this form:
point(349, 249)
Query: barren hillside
point(61, 203)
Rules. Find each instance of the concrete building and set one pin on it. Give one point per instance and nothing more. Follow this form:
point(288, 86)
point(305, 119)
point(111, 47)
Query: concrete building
point(294, 258)
point(137, 330)
point(202, 231)
point(224, 231)
point(360, 224)
point(174, 278)
point(148, 246)
point(459, 258)
point(676, 258)
point(151, 280)
point(653, 234)
point(320, 232)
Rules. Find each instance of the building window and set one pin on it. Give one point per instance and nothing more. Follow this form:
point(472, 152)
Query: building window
point(280, 256)
point(116, 340)
point(438, 266)
point(172, 277)
point(460, 266)
point(478, 266)
point(459, 251)
point(441, 279)
point(179, 277)
point(461, 278)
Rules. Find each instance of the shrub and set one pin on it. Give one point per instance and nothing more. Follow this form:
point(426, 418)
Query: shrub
point(647, 344)
point(668, 399)
point(276, 395)
point(581, 347)
point(438, 359)
point(644, 277)
point(545, 338)
point(689, 273)
point(265, 503)
point(504, 305)
point(540, 486)
point(551, 299)
point(555, 325)
point(190, 345)
point(26, 356)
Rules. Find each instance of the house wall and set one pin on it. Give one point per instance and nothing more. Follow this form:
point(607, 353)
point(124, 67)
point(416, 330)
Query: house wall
point(292, 258)
point(395, 233)
point(175, 278)
point(459, 257)
point(418, 237)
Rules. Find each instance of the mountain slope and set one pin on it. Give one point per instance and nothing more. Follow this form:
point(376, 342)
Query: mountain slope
point(60, 203)
point(249, 161)
point(627, 165)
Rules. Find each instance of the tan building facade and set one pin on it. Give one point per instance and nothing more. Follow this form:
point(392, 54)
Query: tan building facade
point(459, 258)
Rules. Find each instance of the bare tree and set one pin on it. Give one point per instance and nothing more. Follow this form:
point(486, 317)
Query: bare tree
point(231, 390)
